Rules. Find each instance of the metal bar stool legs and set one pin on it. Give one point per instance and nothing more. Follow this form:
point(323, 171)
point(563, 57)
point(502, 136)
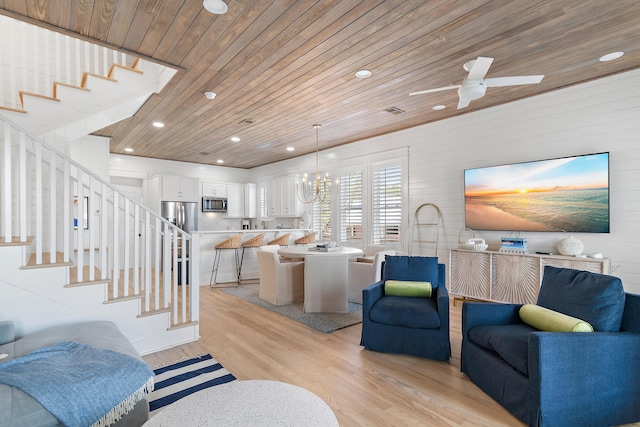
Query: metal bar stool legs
point(254, 242)
point(230, 243)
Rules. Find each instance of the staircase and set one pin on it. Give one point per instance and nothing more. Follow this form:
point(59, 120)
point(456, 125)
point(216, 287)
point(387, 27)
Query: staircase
point(72, 247)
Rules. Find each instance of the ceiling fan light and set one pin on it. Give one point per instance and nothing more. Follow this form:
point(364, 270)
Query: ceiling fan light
point(472, 89)
point(215, 6)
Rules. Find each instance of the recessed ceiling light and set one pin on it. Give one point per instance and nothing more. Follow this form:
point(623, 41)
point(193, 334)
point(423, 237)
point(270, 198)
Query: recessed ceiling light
point(128, 150)
point(363, 74)
point(611, 56)
point(220, 161)
point(439, 107)
point(158, 124)
point(235, 138)
point(210, 95)
point(290, 149)
point(215, 6)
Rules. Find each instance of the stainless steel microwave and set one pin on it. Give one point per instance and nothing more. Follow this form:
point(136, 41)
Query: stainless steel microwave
point(214, 204)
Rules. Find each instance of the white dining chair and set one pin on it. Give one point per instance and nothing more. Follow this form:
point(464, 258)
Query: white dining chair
point(281, 283)
point(363, 274)
point(325, 284)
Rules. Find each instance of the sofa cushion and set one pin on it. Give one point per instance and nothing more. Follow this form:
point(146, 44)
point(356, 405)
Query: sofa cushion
point(416, 268)
point(595, 298)
point(551, 321)
point(406, 288)
point(510, 342)
point(417, 313)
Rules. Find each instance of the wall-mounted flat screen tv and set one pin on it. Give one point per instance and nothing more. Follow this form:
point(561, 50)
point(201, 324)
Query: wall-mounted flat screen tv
point(569, 194)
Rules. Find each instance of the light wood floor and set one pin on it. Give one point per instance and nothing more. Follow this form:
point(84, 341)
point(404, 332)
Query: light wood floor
point(363, 388)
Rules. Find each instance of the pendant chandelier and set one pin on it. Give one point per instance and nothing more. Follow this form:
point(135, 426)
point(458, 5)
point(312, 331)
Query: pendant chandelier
point(318, 190)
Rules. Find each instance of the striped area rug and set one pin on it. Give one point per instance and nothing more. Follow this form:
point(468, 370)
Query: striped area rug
point(176, 381)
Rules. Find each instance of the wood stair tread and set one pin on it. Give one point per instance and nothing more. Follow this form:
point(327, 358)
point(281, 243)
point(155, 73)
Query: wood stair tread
point(15, 110)
point(124, 67)
point(15, 240)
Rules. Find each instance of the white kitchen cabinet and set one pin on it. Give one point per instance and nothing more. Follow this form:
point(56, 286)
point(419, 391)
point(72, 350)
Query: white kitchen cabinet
point(172, 189)
point(508, 277)
point(241, 201)
point(250, 200)
point(179, 189)
point(282, 200)
point(214, 189)
point(235, 201)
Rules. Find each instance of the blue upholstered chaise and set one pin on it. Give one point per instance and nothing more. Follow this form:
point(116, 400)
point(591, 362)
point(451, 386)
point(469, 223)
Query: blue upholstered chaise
point(408, 325)
point(560, 378)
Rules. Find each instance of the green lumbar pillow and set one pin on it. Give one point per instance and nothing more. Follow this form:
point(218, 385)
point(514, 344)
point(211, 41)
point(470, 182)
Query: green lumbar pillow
point(548, 320)
point(403, 288)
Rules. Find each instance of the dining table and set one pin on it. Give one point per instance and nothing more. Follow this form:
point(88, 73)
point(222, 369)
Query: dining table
point(326, 276)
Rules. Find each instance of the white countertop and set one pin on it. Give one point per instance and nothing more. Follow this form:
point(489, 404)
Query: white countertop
point(255, 230)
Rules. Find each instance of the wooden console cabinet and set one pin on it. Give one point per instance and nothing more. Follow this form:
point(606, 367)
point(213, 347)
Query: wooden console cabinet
point(509, 278)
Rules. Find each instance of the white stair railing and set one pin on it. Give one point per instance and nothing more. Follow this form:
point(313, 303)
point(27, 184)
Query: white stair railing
point(73, 216)
point(33, 58)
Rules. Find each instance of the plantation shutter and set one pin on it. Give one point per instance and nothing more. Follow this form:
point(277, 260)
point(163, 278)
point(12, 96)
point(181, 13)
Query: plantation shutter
point(322, 216)
point(263, 198)
point(351, 207)
point(387, 205)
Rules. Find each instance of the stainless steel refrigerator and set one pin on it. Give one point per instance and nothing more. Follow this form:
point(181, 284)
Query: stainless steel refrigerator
point(185, 216)
point(181, 214)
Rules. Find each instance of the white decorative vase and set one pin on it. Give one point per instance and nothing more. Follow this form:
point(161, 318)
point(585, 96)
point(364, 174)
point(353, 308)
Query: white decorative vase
point(570, 246)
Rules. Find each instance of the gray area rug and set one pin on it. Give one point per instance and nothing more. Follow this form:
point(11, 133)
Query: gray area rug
point(323, 322)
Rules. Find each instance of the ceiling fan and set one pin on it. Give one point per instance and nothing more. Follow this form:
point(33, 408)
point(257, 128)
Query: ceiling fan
point(475, 85)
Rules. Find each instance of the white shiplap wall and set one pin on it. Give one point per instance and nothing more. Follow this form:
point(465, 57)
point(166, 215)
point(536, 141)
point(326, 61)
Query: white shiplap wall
point(602, 115)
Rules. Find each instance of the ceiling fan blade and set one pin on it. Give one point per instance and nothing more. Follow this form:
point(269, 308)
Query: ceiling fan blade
point(480, 68)
point(434, 90)
point(513, 81)
point(463, 102)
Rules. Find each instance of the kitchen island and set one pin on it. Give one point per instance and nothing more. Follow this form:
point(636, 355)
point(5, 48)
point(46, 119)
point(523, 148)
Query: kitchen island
point(227, 273)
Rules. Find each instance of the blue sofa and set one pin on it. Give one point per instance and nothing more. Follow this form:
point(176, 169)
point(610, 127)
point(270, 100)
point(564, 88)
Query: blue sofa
point(407, 325)
point(560, 378)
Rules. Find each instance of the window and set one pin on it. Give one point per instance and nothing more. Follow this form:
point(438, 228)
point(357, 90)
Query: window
point(322, 216)
point(263, 195)
point(387, 205)
point(351, 207)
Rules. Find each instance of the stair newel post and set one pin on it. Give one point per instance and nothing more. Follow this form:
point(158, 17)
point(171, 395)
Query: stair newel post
point(147, 261)
point(38, 235)
point(6, 190)
point(67, 209)
point(79, 224)
point(104, 226)
point(115, 275)
point(194, 279)
point(136, 250)
point(23, 186)
point(174, 282)
point(156, 245)
point(53, 198)
point(167, 236)
point(126, 241)
point(92, 231)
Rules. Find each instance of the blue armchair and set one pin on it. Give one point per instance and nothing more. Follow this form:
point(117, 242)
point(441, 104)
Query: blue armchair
point(560, 378)
point(408, 325)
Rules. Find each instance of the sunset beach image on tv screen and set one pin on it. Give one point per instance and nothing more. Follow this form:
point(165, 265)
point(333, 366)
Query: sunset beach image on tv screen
point(569, 194)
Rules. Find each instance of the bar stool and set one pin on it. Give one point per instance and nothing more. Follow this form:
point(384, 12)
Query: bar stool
point(253, 242)
point(282, 240)
point(306, 239)
point(232, 242)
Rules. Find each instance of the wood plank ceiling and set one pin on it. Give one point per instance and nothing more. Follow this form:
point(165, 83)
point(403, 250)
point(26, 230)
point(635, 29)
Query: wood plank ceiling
point(279, 66)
